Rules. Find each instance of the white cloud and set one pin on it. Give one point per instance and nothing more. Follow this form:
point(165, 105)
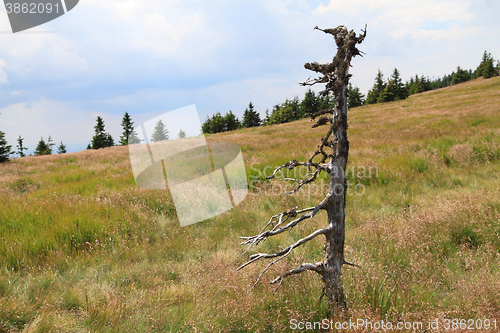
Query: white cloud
point(427, 37)
point(112, 56)
point(3, 75)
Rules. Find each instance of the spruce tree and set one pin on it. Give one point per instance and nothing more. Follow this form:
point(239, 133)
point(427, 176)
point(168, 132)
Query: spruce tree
point(388, 94)
point(101, 139)
point(428, 84)
point(4, 148)
point(231, 123)
point(20, 147)
point(309, 104)
point(205, 127)
point(290, 110)
point(108, 140)
point(251, 118)
point(460, 76)
point(160, 132)
point(266, 119)
point(134, 138)
point(50, 144)
point(416, 86)
point(355, 97)
point(285, 113)
point(217, 123)
point(394, 90)
point(246, 121)
point(486, 69)
point(181, 134)
point(277, 116)
point(295, 108)
point(129, 136)
point(99, 135)
point(401, 92)
point(41, 148)
point(378, 87)
point(61, 149)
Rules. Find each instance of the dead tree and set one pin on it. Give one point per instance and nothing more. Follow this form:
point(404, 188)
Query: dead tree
point(330, 157)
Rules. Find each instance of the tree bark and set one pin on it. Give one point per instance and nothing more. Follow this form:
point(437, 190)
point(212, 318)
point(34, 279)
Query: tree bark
point(335, 207)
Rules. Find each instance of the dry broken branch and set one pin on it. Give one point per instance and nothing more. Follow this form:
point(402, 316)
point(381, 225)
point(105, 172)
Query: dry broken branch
point(286, 250)
point(280, 219)
point(317, 267)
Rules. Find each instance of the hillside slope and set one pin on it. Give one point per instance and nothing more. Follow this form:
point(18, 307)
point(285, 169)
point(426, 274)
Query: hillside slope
point(83, 248)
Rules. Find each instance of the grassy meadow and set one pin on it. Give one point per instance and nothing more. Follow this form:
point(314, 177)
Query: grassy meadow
point(85, 250)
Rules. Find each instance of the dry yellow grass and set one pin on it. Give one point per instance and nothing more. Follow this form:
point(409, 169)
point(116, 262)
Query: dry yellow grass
point(84, 249)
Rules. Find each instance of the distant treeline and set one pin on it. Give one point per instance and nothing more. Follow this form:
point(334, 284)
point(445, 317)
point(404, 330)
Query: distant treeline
point(42, 148)
point(393, 89)
point(101, 139)
point(291, 109)
point(382, 91)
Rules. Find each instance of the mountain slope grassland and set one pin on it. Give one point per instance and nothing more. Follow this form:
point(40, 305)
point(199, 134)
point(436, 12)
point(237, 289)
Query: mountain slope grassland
point(84, 249)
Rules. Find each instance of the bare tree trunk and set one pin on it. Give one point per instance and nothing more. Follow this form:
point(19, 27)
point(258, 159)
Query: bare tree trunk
point(336, 77)
point(335, 207)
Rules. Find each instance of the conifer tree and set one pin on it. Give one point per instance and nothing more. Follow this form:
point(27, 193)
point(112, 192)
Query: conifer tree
point(277, 116)
point(101, 139)
point(41, 148)
point(50, 144)
point(428, 84)
point(486, 69)
point(108, 140)
point(20, 147)
point(266, 119)
point(355, 97)
point(378, 87)
point(400, 89)
point(4, 148)
point(460, 76)
point(160, 132)
point(394, 90)
point(416, 85)
point(129, 136)
point(309, 104)
point(217, 123)
point(99, 135)
point(251, 118)
point(134, 138)
point(284, 114)
point(293, 106)
point(181, 134)
point(231, 123)
point(245, 122)
point(61, 149)
point(388, 94)
point(205, 127)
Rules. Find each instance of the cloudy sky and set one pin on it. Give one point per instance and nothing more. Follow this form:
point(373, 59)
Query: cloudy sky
point(148, 57)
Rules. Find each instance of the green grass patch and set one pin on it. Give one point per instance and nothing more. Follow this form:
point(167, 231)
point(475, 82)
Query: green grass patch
point(84, 249)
